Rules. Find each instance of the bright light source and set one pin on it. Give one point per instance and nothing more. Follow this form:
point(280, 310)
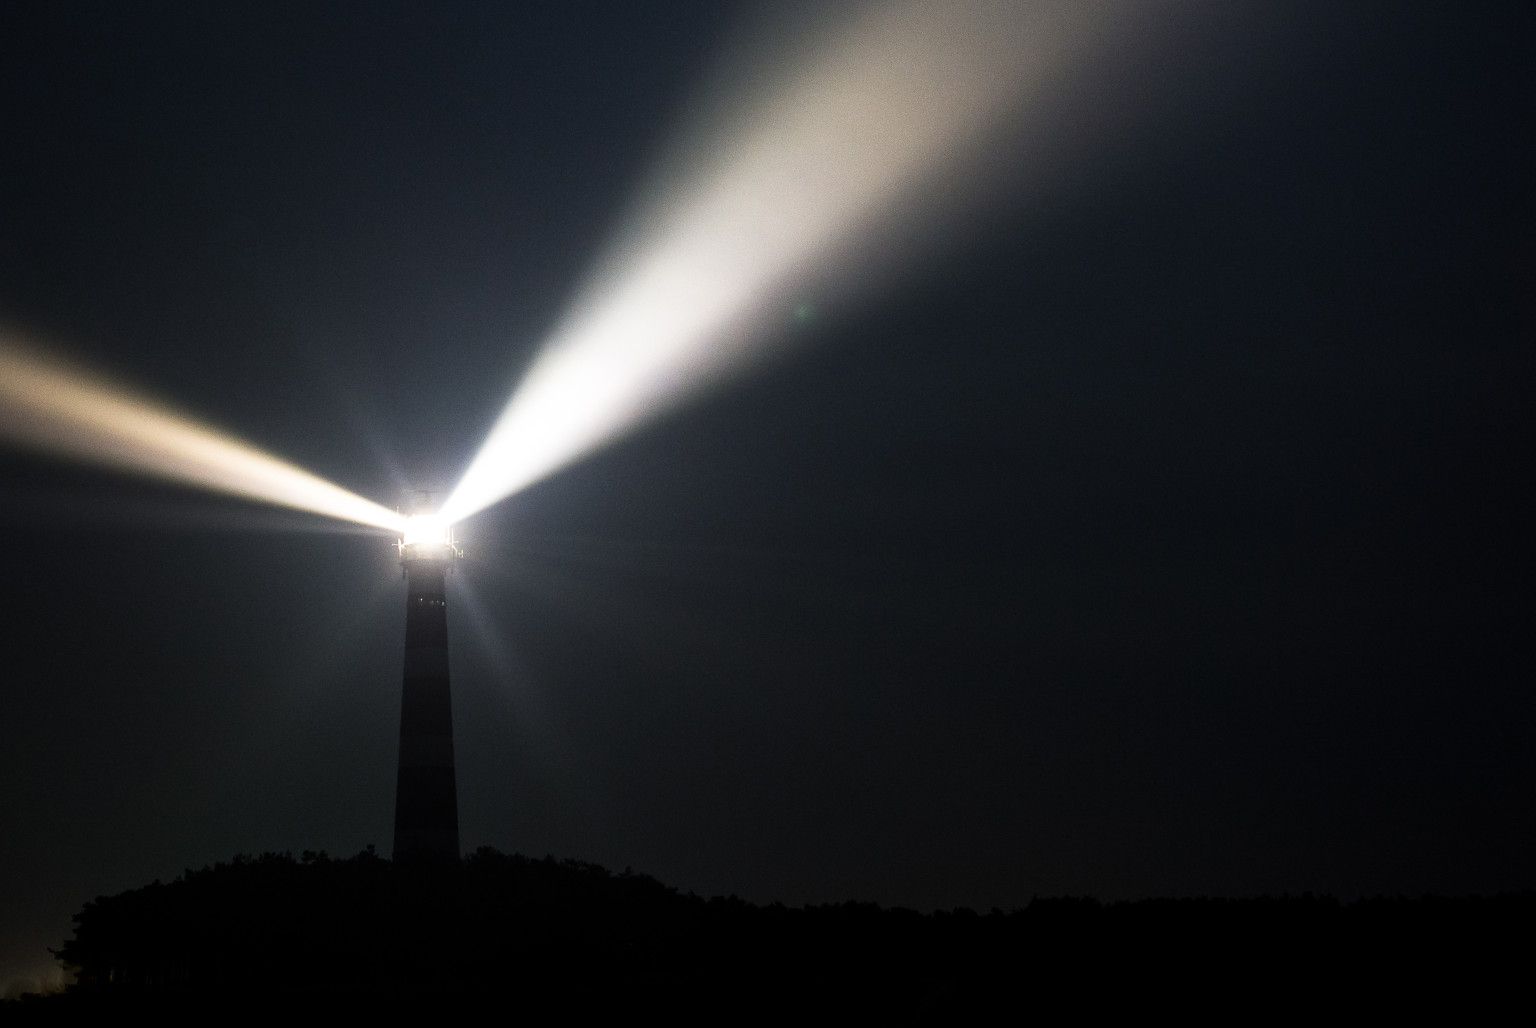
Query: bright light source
point(59, 409)
point(425, 530)
point(839, 155)
point(428, 537)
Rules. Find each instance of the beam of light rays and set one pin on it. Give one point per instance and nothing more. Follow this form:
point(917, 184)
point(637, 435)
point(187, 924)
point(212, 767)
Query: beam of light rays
point(49, 406)
point(548, 751)
point(513, 679)
point(106, 508)
point(846, 148)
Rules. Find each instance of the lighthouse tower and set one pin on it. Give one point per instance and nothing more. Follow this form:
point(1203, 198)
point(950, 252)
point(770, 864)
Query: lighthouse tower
point(426, 796)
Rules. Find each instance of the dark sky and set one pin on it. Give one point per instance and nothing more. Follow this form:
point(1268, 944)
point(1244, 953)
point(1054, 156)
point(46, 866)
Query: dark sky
point(1170, 535)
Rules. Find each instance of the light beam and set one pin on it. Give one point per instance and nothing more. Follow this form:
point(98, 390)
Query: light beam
point(49, 406)
point(811, 173)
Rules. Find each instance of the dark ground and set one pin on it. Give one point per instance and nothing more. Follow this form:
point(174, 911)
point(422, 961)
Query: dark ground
point(568, 935)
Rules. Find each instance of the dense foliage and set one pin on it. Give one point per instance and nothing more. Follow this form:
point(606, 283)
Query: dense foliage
point(574, 933)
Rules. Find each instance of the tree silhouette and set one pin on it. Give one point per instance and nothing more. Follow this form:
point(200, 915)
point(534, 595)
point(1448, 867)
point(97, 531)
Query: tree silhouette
point(570, 934)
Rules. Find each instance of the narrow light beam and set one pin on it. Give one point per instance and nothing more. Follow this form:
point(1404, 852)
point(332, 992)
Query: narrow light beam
point(51, 407)
point(839, 153)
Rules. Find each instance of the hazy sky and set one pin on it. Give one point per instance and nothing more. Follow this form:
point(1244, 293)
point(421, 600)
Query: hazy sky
point(1164, 531)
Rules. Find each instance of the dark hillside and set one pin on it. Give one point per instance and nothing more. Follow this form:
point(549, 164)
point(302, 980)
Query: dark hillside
point(574, 934)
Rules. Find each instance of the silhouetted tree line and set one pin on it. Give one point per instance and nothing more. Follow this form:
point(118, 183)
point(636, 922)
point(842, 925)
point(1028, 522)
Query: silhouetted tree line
point(540, 931)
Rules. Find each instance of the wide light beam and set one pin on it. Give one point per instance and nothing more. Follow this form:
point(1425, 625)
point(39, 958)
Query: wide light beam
point(48, 406)
point(810, 174)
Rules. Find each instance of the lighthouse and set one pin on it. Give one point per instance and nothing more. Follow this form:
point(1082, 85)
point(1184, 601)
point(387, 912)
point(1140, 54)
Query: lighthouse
point(426, 795)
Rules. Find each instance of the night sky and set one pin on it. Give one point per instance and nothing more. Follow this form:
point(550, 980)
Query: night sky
point(1166, 531)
